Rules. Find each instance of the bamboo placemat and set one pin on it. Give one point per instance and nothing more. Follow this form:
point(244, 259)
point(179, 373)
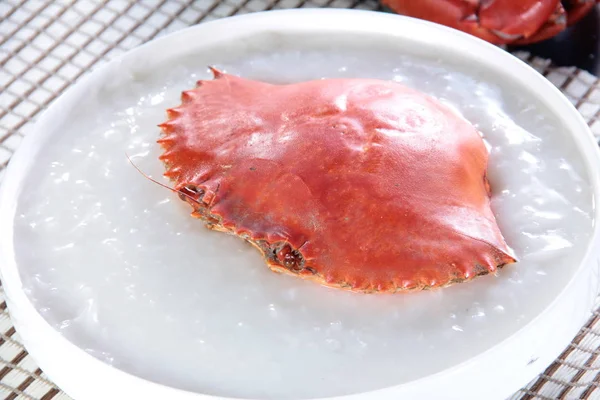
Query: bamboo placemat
point(46, 46)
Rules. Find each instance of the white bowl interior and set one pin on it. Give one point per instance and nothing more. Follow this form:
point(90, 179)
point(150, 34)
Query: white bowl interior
point(116, 264)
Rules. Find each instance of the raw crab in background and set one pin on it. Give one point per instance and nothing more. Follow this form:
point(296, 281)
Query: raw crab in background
point(499, 21)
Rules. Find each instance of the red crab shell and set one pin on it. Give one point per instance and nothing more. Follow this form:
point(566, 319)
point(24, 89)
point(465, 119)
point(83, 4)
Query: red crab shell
point(499, 21)
point(361, 184)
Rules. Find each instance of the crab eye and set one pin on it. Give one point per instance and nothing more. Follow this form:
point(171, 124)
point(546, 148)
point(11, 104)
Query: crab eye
point(189, 191)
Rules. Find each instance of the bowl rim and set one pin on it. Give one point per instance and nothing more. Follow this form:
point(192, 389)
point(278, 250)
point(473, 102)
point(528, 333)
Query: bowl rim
point(76, 369)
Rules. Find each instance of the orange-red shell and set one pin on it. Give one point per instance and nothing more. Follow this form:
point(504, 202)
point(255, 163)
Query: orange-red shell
point(499, 21)
point(356, 183)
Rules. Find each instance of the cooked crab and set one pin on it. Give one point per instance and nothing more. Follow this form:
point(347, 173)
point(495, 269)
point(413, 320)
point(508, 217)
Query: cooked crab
point(499, 21)
point(360, 184)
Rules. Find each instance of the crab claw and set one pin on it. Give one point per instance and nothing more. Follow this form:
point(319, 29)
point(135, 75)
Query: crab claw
point(499, 21)
point(577, 9)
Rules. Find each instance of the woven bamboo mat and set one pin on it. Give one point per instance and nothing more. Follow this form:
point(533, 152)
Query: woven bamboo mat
point(46, 46)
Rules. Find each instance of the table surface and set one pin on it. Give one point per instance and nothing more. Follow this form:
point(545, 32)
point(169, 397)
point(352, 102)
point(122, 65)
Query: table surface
point(46, 46)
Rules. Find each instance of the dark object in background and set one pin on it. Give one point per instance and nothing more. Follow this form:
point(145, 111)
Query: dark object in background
point(576, 46)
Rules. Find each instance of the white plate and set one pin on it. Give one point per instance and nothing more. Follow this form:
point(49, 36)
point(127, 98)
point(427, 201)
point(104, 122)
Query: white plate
point(494, 373)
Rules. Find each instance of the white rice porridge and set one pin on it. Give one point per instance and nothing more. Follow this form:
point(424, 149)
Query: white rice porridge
point(118, 266)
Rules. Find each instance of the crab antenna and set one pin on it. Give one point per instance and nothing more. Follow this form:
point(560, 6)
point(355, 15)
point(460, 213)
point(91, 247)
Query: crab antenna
point(157, 182)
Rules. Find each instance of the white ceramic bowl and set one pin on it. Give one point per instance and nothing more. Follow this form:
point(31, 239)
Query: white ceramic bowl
point(493, 374)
